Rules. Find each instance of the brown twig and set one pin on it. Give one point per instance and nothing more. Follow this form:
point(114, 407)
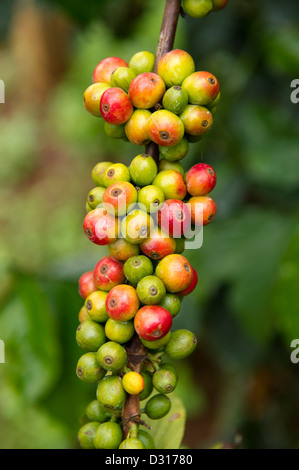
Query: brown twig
point(135, 350)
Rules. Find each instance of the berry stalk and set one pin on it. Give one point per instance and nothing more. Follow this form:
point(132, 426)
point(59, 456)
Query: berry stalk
point(135, 350)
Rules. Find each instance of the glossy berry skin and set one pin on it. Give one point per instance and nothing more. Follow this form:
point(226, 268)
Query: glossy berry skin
point(152, 322)
point(176, 273)
point(148, 385)
point(167, 165)
point(110, 392)
point(137, 268)
point(197, 8)
point(174, 217)
point(98, 172)
point(146, 90)
point(115, 106)
point(83, 314)
point(108, 273)
point(96, 412)
point(200, 179)
point(119, 197)
point(157, 343)
point(158, 245)
point(86, 284)
point(197, 120)
point(102, 72)
point(172, 303)
point(142, 62)
point(209, 209)
point(88, 369)
point(90, 335)
point(176, 152)
point(95, 197)
point(172, 184)
point(191, 286)
point(115, 173)
point(175, 99)
point(133, 383)
point(108, 436)
point(150, 290)
point(100, 227)
point(92, 97)
point(150, 198)
point(122, 250)
point(158, 406)
point(175, 66)
point(136, 226)
point(119, 332)
point(136, 127)
point(112, 356)
point(86, 435)
point(115, 131)
point(122, 77)
point(95, 306)
point(182, 343)
point(164, 381)
point(165, 128)
point(122, 303)
point(201, 87)
point(143, 170)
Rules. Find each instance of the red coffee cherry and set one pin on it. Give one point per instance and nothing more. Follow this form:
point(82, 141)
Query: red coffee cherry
point(176, 272)
point(191, 286)
point(146, 90)
point(174, 217)
point(102, 72)
point(108, 273)
point(122, 303)
point(209, 209)
point(86, 284)
point(200, 179)
point(115, 106)
point(100, 227)
point(152, 322)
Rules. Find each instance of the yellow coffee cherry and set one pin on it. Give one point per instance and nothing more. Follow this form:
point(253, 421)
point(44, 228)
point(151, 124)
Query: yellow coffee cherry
point(133, 383)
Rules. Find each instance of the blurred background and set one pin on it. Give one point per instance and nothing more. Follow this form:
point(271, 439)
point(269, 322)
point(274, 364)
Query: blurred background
point(245, 308)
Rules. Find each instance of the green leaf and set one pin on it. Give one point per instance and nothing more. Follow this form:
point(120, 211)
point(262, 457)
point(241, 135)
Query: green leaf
point(168, 432)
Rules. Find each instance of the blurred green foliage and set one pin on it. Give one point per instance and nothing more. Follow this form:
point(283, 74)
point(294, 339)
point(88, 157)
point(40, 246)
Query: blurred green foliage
point(245, 309)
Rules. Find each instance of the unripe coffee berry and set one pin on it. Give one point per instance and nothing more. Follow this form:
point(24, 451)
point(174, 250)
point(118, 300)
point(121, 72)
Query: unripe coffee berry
point(137, 267)
point(165, 128)
point(92, 97)
point(175, 99)
point(108, 436)
point(146, 90)
point(115, 173)
point(164, 381)
point(120, 332)
point(181, 344)
point(122, 250)
point(176, 273)
point(150, 290)
point(132, 443)
point(112, 356)
point(158, 406)
point(142, 62)
point(115, 131)
point(197, 120)
point(88, 369)
point(197, 8)
point(175, 66)
point(148, 386)
point(150, 198)
point(143, 170)
point(136, 127)
point(119, 197)
point(111, 393)
point(122, 77)
point(95, 306)
point(172, 184)
point(136, 226)
point(172, 303)
point(95, 196)
point(98, 172)
point(157, 343)
point(86, 435)
point(90, 335)
point(176, 152)
point(103, 71)
point(95, 411)
point(146, 439)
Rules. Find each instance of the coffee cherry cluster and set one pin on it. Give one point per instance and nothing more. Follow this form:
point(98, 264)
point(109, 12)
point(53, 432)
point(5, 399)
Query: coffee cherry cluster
point(201, 8)
point(143, 213)
point(171, 108)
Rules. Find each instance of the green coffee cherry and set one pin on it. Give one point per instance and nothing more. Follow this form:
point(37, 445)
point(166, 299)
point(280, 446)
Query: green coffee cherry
point(167, 165)
point(90, 335)
point(181, 344)
point(148, 386)
point(176, 152)
point(112, 356)
point(95, 196)
point(170, 367)
point(98, 172)
point(86, 435)
point(143, 170)
point(111, 393)
point(132, 443)
point(164, 381)
point(115, 131)
point(146, 439)
point(95, 306)
point(95, 411)
point(150, 198)
point(108, 436)
point(150, 290)
point(122, 77)
point(119, 332)
point(142, 62)
point(172, 303)
point(137, 267)
point(197, 8)
point(175, 99)
point(157, 343)
point(115, 173)
point(88, 369)
point(157, 407)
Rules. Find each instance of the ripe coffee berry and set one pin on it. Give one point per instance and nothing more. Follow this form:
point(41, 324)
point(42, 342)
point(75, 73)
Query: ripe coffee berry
point(103, 71)
point(175, 66)
point(202, 88)
point(108, 273)
point(100, 227)
point(172, 184)
point(165, 128)
point(197, 120)
point(191, 286)
point(200, 179)
point(146, 90)
point(209, 209)
point(174, 217)
point(119, 197)
point(122, 303)
point(136, 127)
point(133, 383)
point(158, 245)
point(115, 106)
point(152, 322)
point(86, 284)
point(176, 272)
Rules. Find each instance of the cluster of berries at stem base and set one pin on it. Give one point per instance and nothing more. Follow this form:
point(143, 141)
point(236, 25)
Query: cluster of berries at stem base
point(143, 213)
